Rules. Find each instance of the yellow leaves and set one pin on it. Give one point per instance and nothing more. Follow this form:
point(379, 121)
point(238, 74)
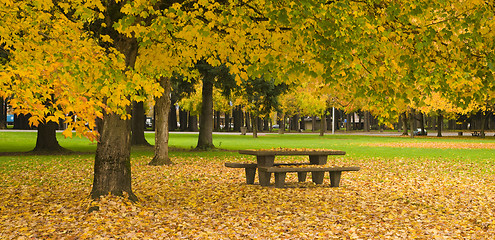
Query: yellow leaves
point(106, 38)
point(388, 198)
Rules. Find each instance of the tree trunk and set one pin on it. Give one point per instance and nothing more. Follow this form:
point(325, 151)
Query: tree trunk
point(137, 127)
point(172, 117)
point(248, 121)
point(313, 123)
point(193, 123)
point(412, 120)
point(348, 126)
point(227, 122)
point(161, 130)
point(254, 120)
point(3, 113)
point(205, 138)
point(404, 124)
point(112, 170)
point(282, 124)
point(367, 121)
point(216, 121)
point(483, 121)
point(237, 115)
point(323, 125)
point(422, 123)
point(183, 120)
point(46, 140)
point(439, 125)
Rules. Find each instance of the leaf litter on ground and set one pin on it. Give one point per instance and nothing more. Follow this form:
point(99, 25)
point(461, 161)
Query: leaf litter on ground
point(199, 198)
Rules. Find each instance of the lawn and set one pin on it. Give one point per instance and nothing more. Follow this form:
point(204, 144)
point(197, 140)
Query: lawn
point(422, 188)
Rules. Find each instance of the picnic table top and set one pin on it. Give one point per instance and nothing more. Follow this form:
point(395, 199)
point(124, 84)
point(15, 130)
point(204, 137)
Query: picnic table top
point(270, 152)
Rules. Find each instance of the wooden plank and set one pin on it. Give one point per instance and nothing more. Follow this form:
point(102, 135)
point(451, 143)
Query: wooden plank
point(240, 165)
point(254, 165)
point(308, 169)
point(289, 153)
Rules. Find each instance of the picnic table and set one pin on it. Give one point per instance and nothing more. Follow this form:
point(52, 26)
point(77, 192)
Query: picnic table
point(265, 163)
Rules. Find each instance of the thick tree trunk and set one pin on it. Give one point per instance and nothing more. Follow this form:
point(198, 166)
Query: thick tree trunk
point(161, 131)
point(205, 138)
point(113, 161)
point(46, 140)
point(137, 127)
point(112, 171)
point(439, 125)
point(237, 115)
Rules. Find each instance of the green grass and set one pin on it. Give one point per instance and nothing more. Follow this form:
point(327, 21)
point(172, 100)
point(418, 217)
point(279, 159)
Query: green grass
point(356, 146)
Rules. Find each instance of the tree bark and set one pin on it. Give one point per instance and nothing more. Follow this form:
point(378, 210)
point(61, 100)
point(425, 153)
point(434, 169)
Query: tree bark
point(172, 117)
point(46, 139)
point(161, 131)
point(282, 124)
point(439, 125)
point(313, 123)
point(323, 125)
point(137, 128)
point(237, 115)
point(254, 120)
point(205, 138)
point(483, 122)
point(412, 120)
point(183, 119)
point(227, 122)
point(404, 125)
point(3, 113)
point(112, 171)
point(192, 123)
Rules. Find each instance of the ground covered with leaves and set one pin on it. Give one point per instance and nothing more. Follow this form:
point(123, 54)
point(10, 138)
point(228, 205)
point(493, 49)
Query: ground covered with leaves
point(199, 198)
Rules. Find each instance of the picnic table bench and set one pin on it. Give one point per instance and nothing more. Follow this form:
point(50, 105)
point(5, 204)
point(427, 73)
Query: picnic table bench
point(265, 162)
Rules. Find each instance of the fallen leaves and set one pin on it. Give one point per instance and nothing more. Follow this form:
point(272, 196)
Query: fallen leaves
point(439, 145)
point(199, 198)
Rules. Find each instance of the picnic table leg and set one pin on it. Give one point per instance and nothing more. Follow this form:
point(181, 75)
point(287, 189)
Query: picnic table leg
point(250, 173)
point(301, 176)
point(280, 179)
point(317, 177)
point(335, 178)
point(265, 161)
point(318, 159)
point(264, 177)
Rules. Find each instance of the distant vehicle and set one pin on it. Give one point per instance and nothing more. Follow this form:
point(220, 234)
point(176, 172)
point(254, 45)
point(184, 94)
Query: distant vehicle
point(10, 119)
point(417, 132)
point(276, 126)
point(149, 122)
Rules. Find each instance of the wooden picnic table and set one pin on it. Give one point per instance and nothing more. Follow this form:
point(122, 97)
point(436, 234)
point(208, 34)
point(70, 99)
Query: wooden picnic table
point(265, 162)
point(266, 158)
